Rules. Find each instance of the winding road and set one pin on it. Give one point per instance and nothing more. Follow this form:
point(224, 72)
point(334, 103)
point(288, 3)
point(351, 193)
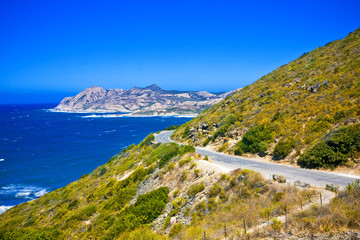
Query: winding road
point(314, 177)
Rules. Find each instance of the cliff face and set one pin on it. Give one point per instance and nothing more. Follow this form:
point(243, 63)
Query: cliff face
point(151, 100)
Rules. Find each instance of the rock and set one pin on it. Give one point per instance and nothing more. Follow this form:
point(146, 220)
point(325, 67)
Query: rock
point(204, 126)
point(172, 220)
point(279, 178)
point(299, 183)
point(332, 187)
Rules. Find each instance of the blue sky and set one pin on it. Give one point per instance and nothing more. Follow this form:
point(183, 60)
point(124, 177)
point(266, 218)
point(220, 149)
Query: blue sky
point(53, 49)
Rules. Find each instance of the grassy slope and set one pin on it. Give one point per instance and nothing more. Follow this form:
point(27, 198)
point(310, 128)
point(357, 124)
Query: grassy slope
point(301, 102)
point(147, 185)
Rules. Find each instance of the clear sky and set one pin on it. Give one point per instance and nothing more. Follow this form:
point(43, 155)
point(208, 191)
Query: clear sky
point(53, 49)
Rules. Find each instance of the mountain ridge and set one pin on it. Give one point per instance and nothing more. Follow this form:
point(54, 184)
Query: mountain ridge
point(150, 100)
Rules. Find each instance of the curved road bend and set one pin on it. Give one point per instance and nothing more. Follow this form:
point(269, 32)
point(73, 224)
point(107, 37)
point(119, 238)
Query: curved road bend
point(313, 177)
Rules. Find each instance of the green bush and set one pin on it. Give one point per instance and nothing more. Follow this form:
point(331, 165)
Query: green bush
point(185, 149)
point(147, 207)
point(283, 148)
point(321, 155)
point(163, 154)
point(147, 141)
point(255, 140)
point(172, 127)
point(186, 132)
point(206, 142)
point(334, 150)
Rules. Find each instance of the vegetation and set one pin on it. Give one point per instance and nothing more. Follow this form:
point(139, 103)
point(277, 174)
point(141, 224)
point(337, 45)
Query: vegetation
point(255, 140)
point(283, 148)
point(98, 204)
point(337, 147)
point(343, 212)
point(195, 189)
point(297, 105)
point(172, 127)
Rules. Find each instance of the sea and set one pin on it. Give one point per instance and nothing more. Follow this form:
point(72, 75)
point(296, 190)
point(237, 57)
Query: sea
point(42, 150)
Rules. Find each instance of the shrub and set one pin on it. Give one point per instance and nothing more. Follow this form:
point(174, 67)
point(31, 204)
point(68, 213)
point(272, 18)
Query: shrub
point(194, 189)
point(215, 190)
point(183, 176)
point(102, 170)
point(147, 207)
point(147, 141)
point(172, 127)
point(184, 161)
point(141, 233)
point(73, 204)
point(224, 125)
point(163, 154)
point(196, 172)
point(321, 155)
point(255, 140)
point(334, 150)
point(185, 149)
point(206, 142)
point(276, 225)
point(186, 132)
point(283, 148)
point(166, 222)
point(175, 229)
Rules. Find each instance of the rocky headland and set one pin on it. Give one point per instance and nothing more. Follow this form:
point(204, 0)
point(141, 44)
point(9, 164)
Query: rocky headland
point(149, 101)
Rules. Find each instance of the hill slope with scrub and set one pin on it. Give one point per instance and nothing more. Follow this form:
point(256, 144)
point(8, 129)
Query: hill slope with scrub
point(163, 191)
point(306, 111)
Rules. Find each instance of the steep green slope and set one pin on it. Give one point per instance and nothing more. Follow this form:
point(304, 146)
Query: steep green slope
point(290, 109)
point(97, 205)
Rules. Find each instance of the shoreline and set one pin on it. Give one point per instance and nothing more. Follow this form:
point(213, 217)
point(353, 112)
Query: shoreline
point(104, 114)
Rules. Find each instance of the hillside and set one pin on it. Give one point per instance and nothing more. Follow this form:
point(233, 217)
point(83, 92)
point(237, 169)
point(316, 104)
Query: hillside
point(151, 100)
point(150, 190)
point(305, 112)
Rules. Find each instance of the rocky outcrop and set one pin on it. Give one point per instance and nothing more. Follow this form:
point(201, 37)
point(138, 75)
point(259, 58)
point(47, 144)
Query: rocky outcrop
point(151, 100)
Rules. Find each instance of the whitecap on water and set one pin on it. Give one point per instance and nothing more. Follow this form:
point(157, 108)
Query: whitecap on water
point(23, 191)
point(4, 208)
point(1, 159)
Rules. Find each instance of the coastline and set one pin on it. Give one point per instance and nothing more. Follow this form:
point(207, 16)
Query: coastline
point(112, 114)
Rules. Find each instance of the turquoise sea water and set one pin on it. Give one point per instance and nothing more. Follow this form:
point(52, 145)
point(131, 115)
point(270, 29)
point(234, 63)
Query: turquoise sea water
point(41, 151)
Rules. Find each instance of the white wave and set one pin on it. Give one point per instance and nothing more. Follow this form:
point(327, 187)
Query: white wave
point(23, 191)
point(110, 131)
point(23, 194)
point(4, 208)
point(40, 193)
point(103, 116)
point(2, 160)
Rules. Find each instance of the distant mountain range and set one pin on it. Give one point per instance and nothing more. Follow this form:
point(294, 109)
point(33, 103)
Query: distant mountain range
point(151, 100)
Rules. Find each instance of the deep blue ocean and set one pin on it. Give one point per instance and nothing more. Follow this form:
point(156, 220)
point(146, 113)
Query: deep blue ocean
point(41, 150)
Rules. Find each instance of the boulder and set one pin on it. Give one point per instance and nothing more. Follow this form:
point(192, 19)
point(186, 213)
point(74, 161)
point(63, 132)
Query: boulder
point(332, 187)
point(279, 178)
point(172, 220)
point(299, 183)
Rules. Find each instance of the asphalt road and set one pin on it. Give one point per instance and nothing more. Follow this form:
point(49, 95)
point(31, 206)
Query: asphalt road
point(314, 177)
